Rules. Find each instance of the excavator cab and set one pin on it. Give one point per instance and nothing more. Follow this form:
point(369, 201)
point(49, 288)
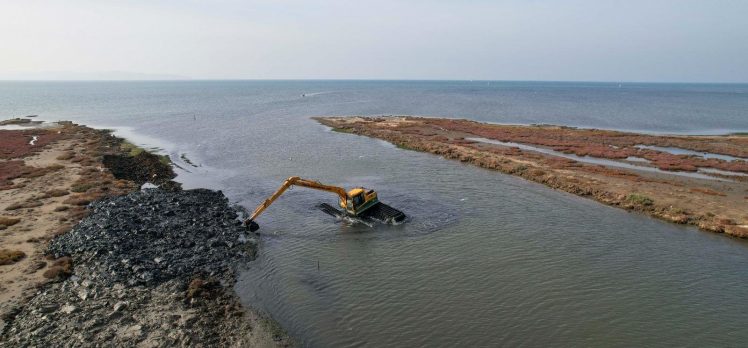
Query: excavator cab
point(359, 199)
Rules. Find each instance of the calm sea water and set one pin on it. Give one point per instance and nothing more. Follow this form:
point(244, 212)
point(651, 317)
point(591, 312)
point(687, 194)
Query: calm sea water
point(486, 260)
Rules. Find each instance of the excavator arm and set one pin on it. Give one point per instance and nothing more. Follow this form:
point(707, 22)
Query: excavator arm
point(297, 181)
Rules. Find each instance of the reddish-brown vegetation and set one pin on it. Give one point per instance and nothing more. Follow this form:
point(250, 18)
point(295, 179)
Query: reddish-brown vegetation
point(6, 221)
point(10, 170)
point(61, 268)
point(602, 143)
point(15, 143)
point(204, 288)
point(707, 191)
point(57, 193)
point(672, 198)
point(78, 200)
point(9, 257)
point(26, 204)
point(66, 156)
point(15, 169)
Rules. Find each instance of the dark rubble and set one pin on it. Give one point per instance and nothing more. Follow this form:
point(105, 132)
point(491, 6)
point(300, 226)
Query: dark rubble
point(141, 168)
point(152, 236)
point(152, 268)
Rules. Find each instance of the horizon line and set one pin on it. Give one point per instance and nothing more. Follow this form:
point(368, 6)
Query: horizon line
point(370, 79)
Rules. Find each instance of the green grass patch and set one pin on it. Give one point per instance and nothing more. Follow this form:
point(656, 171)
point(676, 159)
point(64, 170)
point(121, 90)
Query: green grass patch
point(404, 146)
point(133, 150)
point(640, 199)
point(678, 211)
point(130, 148)
point(342, 130)
point(165, 160)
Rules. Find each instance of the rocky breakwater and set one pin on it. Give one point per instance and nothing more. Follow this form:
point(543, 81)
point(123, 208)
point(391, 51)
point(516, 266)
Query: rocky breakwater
point(152, 268)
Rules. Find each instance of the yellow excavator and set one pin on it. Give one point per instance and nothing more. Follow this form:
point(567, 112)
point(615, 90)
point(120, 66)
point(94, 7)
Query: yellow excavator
point(358, 202)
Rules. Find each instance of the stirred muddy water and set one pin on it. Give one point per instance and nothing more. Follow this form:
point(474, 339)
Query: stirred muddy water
point(486, 259)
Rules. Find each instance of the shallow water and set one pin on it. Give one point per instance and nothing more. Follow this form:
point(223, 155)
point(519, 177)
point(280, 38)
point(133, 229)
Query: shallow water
point(721, 172)
point(595, 160)
point(486, 260)
point(679, 151)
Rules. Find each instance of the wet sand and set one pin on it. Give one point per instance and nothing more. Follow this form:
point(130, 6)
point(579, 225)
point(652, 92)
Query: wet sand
point(710, 192)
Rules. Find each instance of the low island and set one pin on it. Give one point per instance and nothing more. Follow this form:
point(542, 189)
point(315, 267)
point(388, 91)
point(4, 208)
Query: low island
point(696, 180)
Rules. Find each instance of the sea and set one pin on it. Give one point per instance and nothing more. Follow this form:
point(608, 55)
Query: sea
point(485, 259)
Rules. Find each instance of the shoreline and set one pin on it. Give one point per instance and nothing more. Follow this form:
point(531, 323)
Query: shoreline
point(715, 202)
point(700, 133)
point(71, 201)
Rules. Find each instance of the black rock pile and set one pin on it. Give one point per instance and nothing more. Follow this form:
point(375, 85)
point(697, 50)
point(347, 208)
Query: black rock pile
point(153, 236)
point(141, 168)
point(154, 268)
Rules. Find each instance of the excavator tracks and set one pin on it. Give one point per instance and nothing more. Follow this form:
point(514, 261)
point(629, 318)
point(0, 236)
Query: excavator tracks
point(379, 212)
point(329, 209)
point(384, 213)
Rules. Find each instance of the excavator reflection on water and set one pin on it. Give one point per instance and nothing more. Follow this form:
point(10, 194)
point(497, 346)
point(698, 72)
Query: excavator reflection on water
point(358, 202)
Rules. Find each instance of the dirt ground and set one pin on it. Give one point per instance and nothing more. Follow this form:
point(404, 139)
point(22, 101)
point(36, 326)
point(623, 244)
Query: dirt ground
point(48, 176)
point(44, 188)
point(717, 203)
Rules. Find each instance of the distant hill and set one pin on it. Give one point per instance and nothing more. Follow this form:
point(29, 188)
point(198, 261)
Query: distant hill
point(96, 76)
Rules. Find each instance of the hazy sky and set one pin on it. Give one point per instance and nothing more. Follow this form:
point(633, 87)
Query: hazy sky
point(631, 40)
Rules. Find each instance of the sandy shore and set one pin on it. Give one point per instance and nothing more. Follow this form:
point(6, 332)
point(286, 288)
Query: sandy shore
point(697, 180)
point(50, 178)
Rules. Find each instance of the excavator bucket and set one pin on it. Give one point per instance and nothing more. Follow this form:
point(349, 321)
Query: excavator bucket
point(253, 226)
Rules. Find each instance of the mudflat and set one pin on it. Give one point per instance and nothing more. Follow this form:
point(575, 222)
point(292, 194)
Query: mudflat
point(696, 180)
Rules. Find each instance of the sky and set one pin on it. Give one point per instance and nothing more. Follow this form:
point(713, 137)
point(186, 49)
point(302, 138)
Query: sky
point(574, 40)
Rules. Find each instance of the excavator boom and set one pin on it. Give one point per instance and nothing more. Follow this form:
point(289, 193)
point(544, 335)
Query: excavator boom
point(294, 180)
